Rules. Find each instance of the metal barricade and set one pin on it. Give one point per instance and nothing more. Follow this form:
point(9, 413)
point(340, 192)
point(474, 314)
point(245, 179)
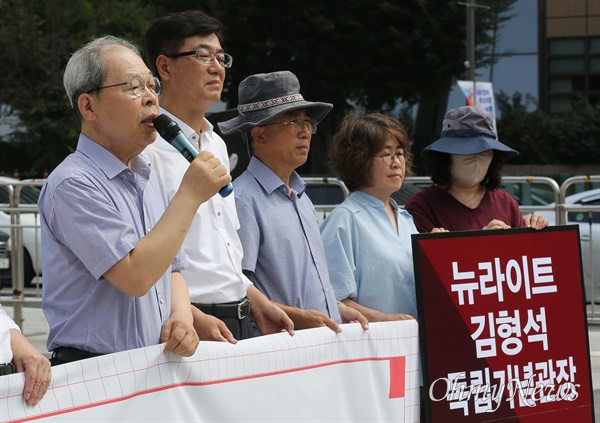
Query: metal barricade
point(592, 235)
point(16, 209)
point(426, 181)
point(527, 181)
point(323, 209)
point(556, 207)
point(13, 223)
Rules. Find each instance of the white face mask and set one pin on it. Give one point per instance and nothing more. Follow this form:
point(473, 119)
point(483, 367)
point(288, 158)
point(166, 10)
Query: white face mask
point(469, 170)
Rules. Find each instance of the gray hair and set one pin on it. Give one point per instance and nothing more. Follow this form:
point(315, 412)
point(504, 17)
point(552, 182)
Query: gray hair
point(85, 71)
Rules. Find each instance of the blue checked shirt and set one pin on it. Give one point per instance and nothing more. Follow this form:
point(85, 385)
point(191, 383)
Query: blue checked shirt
point(93, 211)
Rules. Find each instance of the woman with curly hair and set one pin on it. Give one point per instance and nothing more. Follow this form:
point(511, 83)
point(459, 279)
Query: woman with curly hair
point(367, 238)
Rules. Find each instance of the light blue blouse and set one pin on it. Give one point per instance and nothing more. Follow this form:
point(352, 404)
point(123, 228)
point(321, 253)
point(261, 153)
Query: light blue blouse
point(369, 262)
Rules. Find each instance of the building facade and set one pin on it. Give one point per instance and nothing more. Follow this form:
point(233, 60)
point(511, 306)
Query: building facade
point(569, 53)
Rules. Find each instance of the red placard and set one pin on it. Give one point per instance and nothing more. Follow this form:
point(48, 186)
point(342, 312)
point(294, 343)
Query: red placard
point(502, 326)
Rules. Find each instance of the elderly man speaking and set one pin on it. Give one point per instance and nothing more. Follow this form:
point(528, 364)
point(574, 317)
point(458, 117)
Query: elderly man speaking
point(110, 237)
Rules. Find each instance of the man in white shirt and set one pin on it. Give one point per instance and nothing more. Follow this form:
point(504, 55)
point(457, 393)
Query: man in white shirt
point(18, 355)
point(185, 52)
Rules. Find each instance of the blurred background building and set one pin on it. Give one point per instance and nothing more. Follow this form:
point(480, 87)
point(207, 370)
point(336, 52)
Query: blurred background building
point(569, 53)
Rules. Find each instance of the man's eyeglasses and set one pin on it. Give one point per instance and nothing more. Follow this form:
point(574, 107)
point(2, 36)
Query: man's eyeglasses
point(206, 57)
point(298, 126)
point(136, 85)
point(388, 158)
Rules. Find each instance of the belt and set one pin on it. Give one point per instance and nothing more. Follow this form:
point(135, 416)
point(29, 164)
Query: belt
point(69, 354)
point(237, 309)
point(7, 369)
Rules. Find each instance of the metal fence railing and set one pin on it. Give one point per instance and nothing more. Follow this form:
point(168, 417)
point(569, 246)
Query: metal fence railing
point(19, 218)
point(535, 194)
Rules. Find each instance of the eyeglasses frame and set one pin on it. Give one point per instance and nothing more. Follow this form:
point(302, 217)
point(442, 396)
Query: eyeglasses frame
point(398, 156)
point(143, 86)
point(312, 129)
point(197, 54)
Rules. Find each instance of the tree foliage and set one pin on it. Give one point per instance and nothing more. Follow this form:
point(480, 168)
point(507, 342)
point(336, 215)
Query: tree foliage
point(349, 52)
point(376, 55)
point(36, 40)
point(352, 53)
point(543, 138)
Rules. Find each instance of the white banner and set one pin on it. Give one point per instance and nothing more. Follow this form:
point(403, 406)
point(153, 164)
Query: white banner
point(479, 93)
point(316, 375)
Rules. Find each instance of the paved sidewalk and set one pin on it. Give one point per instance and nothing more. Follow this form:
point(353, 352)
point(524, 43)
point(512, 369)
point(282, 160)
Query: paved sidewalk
point(35, 328)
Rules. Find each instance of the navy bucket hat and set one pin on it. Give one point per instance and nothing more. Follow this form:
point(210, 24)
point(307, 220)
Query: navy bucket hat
point(266, 95)
point(468, 130)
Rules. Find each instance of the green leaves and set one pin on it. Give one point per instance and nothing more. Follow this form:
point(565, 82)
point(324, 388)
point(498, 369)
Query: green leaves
point(567, 138)
point(36, 40)
point(365, 53)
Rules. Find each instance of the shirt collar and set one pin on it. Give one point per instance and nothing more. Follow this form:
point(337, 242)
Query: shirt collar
point(372, 201)
point(270, 181)
point(108, 163)
point(368, 199)
point(187, 130)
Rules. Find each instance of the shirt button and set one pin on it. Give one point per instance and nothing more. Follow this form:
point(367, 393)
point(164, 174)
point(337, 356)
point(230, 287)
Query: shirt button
point(228, 244)
point(218, 213)
point(162, 300)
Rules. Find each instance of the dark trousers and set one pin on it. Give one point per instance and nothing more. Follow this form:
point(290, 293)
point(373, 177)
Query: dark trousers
point(7, 369)
point(241, 329)
point(235, 315)
point(63, 355)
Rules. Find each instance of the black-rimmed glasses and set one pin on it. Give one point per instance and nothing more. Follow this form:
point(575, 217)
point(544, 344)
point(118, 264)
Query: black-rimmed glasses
point(298, 126)
point(388, 158)
point(137, 86)
point(206, 57)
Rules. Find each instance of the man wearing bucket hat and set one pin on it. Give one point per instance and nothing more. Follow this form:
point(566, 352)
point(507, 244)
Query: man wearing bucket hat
point(464, 165)
point(283, 252)
point(184, 49)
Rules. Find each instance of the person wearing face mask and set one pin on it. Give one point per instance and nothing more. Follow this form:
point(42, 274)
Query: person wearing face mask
point(464, 165)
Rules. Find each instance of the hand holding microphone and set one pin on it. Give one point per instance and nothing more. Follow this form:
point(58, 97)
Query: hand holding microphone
point(171, 132)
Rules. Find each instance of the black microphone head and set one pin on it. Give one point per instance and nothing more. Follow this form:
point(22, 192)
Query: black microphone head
point(166, 127)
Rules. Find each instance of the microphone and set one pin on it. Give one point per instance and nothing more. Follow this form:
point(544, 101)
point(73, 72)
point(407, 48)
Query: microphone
point(171, 132)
